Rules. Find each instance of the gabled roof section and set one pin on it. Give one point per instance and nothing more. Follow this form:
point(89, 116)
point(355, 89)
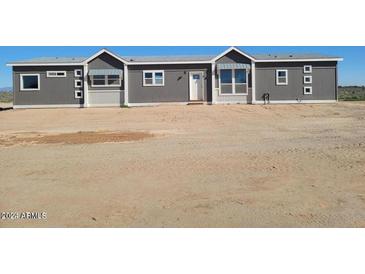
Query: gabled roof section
point(168, 59)
point(49, 61)
point(100, 52)
point(234, 49)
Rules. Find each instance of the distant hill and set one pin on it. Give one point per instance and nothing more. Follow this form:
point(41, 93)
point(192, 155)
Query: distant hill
point(6, 89)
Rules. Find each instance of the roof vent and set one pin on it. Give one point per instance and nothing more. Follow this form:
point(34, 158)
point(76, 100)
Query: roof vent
point(131, 60)
point(290, 55)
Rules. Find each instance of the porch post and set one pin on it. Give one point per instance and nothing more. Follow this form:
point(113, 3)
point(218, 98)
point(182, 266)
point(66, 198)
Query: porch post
point(86, 86)
point(126, 97)
point(253, 79)
point(214, 95)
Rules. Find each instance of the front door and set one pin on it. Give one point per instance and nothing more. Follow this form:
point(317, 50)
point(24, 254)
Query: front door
point(196, 85)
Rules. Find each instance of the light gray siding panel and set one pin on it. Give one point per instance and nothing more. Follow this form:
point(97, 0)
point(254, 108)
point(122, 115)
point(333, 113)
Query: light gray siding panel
point(176, 88)
point(323, 81)
point(105, 61)
point(53, 91)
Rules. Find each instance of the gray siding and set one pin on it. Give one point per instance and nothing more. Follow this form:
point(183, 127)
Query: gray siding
point(105, 61)
point(52, 91)
point(176, 88)
point(324, 82)
point(233, 57)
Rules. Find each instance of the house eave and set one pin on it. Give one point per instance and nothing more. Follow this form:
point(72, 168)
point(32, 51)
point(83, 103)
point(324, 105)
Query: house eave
point(299, 60)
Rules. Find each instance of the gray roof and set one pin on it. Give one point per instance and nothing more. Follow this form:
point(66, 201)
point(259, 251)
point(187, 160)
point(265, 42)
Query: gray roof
point(51, 60)
point(289, 56)
point(172, 58)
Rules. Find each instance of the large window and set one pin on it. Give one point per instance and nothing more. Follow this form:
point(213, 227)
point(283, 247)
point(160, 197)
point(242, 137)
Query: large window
point(29, 82)
point(153, 78)
point(233, 81)
point(282, 77)
point(105, 81)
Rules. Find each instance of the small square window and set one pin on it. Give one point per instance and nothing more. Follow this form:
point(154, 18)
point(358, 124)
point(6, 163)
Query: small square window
point(78, 94)
point(78, 83)
point(78, 72)
point(307, 79)
point(307, 90)
point(307, 69)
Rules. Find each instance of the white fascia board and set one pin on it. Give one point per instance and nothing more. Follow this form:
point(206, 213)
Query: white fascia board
point(104, 51)
point(168, 63)
point(298, 60)
point(42, 64)
point(229, 50)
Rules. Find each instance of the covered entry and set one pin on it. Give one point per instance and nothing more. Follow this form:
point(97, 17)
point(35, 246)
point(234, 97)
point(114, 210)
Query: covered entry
point(105, 87)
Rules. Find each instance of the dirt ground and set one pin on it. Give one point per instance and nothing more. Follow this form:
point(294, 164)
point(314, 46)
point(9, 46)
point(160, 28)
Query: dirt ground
point(185, 166)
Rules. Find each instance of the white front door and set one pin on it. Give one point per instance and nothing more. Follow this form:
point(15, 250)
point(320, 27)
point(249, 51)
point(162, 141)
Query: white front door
point(196, 85)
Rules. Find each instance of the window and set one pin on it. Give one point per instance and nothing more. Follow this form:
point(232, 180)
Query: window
point(56, 74)
point(307, 79)
point(78, 94)
point(153, 78)
point(307, 90)
point(282, 77)
point(307, 69)
point(29, 82)
point(78, 72)
point(233, 81)
point(106, 81)
point(78, 83)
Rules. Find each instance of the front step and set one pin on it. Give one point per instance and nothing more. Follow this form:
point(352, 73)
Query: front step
point(193, 103)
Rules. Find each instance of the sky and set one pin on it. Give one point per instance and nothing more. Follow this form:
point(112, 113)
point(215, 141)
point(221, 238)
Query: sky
point(351, 70)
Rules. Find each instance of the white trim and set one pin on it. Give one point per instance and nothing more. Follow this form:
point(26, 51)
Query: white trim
point(253, 82)
point(77, 96)
point(307, 66)
point(229, 50)
point(48, 106)
point(298, 60)
point(307, 93)
point(30, 89)
point(153, 78)
point(106, 81)
point(126, 88)
point(104, 51)
point(157, 104)
point(78, 81)
point(310, 79)
point(86, 86)
point(202, 81)
point(214, 90)
point(298, 102)
point(56, 71)
point(286, 77)
point(76, 71)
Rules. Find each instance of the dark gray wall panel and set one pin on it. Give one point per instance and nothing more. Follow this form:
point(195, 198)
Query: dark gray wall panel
point(106, 61)
point(52, 91)
point(323, 81)
point(233, 57)
point(176, 88)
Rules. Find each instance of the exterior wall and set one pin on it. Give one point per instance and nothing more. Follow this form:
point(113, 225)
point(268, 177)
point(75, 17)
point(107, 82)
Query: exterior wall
point(229, 58)
point(176, 88)
point(106, 96)
point(53, 91)
point(324, 81)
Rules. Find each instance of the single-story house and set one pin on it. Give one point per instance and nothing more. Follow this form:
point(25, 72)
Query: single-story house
point(232, 77)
